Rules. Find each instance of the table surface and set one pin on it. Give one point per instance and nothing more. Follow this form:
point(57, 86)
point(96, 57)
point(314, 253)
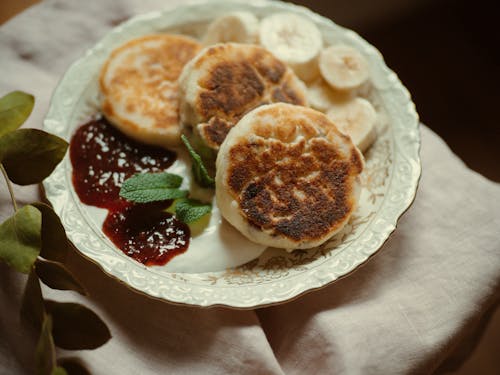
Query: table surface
point(416, 303)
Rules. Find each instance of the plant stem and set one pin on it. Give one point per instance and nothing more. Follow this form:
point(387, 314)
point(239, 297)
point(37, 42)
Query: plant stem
point(9, 186)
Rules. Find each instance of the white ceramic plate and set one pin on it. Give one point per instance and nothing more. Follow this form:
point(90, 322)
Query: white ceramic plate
point(389, 180)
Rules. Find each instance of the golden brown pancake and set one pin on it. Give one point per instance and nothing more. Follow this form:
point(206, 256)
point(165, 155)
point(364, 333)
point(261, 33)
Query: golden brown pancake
point(286, 177)
point(140, 90)
point(225, 81)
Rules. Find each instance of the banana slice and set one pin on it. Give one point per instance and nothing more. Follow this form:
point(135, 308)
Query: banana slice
point(139, 87)
point(343, 67)
point(287, 177)
point(239, 27)
point(294, 40)
point(322, 97)
point(357, 119)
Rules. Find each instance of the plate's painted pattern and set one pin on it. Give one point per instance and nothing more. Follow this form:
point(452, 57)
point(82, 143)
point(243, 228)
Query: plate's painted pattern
point(389, 181)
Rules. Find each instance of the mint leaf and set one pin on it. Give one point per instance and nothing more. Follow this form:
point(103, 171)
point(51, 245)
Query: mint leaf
point(15, 108)
point(200, 172)
point(145, 180)
point(190, 210)
point(152, 187)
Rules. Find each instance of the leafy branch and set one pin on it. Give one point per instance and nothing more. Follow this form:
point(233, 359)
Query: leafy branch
point(33, 241)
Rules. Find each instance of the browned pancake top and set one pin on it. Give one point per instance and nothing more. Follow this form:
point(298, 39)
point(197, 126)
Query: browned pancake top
point(146, 80)
point(240, 78)
point(297, 187)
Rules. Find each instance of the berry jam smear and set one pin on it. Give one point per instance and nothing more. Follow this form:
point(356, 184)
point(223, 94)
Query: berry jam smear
point(102, 158)
point(147, 233)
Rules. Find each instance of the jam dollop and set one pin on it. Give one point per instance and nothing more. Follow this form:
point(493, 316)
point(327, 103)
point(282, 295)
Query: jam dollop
point(146, 232)
point(102, 158)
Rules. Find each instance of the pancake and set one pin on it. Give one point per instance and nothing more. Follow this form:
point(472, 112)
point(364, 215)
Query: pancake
point(139, 87)
point(287, 177)
point(225, 81)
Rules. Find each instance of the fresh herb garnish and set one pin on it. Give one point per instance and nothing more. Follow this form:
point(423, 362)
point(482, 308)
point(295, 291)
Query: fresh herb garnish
point(200, 172)
point(152, 187)
point(190, 210)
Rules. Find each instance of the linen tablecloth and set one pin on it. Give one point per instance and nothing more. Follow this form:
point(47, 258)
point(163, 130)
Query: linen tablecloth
point(404, 312)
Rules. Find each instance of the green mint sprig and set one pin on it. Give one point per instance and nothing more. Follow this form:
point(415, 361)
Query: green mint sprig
point(190, 210)
point(152, 187)
point(199, 170)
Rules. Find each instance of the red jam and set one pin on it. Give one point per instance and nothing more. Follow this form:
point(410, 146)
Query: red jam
point(102, 158)
point(147, 233)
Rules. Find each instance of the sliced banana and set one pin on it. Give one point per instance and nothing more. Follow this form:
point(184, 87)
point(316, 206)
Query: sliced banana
point(322, 97)
point(294, 40)
point(343, 67)
point(357, 119)
point(239, 27)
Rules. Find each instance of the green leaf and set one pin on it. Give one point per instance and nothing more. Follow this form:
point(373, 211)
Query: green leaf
point(153, 195)
point(54, 240)
point(152, 187)
point(32, 308)
point(57, 276)
point(20, 239)
point(190, 210)
point(76, 327)
point(15, 108)
point(45, 354)
point(73, 366)
point(59, 371)
point(199, 170)
point(30, 155)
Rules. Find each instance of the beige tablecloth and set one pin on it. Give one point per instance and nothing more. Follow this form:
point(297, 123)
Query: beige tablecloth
point(404, 312)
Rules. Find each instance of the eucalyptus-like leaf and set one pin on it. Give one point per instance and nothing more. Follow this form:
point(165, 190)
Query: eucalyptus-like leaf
point(30, 155)
point(59, 371)
point(54, 240)
point(57, 276)
point(73, 366)
point(15, 108)
point(20, 239)
point(32, 308)
point(76, 326)
point(45, 355)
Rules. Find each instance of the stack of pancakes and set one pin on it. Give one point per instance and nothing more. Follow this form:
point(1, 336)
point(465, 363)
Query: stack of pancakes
point(285, 175)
